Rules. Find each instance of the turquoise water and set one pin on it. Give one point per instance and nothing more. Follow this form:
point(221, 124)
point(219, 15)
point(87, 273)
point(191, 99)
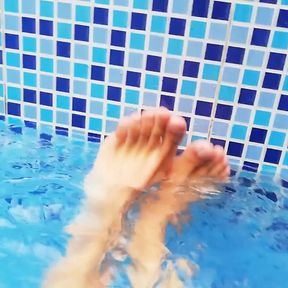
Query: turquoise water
point(237, 239)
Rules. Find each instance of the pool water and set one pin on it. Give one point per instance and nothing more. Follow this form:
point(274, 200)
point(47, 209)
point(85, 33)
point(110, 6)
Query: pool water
point(237, 239)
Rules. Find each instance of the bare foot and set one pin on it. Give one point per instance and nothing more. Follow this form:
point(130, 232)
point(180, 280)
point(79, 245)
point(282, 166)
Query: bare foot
point(201, 160)
point(127, 163)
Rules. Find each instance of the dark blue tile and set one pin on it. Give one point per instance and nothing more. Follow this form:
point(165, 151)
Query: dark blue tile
point(114, 93)
point(235, 149)
point(188, 121)
point(2, 118)
point(30, 124)
point(29, 96)
point(272, 156)
point(283, 18)
point(101, 16)
point(260, 37)
point(11, 41)
point(283, 103)
point(258, 135)
point(98, 73)
point(61, 131)
point(63, 49)
point(46, 27)
point(92, 137)
point(191, 69)
point(276, 61)
point(46, 99)
point(79, 104)
point(14, 109)
point(62, 84)
point(271, 81)
point(167, 101)
point(223, 111)
point(177, 26)
point(81, 33)
point(214, 52)
point(1, 57)
point(160, 6)
point(138, 21)
point(153, 63)
point(117, 57)
point(46, 137)
point(118, 38)
point(29, 61)
point(250, 166)
point(200, 8)
point(169, 84)
point(218, 142)
point(78, 121)
point(203, 108)
point(28, 25)
point(15, 129)
point(269, 1)
point(247, 96)
point(133, 79)
point(221, 10)
point(235, 55)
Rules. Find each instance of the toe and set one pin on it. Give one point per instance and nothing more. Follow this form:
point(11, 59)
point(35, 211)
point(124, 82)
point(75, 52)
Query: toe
point(134, 125)
point(122, 130)
point(147, 124)
point(161, 120)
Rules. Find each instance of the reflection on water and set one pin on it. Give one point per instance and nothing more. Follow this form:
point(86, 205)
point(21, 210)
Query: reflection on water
point(236, 238)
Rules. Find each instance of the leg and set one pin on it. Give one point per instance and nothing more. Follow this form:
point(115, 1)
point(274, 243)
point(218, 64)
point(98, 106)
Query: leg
point(127, 163)
point(147, 249)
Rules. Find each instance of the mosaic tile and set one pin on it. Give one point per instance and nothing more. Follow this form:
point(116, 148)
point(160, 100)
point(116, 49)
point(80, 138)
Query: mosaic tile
point(220, 64)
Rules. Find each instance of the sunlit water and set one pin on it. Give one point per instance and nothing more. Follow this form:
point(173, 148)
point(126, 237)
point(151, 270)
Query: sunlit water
point(238, 238)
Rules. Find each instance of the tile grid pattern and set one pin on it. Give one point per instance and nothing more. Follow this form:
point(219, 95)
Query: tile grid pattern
point(80, 65)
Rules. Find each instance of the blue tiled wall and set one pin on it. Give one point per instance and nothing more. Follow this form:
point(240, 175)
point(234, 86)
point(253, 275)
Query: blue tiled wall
point(81, 65)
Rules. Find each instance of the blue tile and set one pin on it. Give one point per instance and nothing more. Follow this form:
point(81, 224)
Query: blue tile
point(277, 138)
point(177, 26)
point(247, 96)
point(264, 16)
point(114, 93)
point(283, 18)
point(14, 109)
point(138, 21)
point(153, 63)
point(221, 10)
point(11, 41)
point(46, 27)
point(213, 52)
point(169, 84)
point(29, 61)
point(223, 111)
point(266, 99)
point(117, 57)
point(272, 156)
point(29, 96)
point(79, 104)
point(260, 37)
point(200, 8)
point(280, 40)
point(258, 135)
point(11, 6)
point(160, 6)
point(191, 69)
point(1, 57)
point(98, 73)
point(262, 118)
point(271, 81)
point(63, 49)
point(250, 166)
point(167, 101)
point(281, 121)
point(62, 84)
point(28, 25)
point(46, 99)
point(101, 16)
point(204, 108)
point(283, 103)
point(235, 149)
point(218, 142)
point(78, 121)
point(243, 12)
point(118, 38)
point(133, 79)
point(235, 55)
point(269, 1)
point(81, 33)
point(276, 61)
